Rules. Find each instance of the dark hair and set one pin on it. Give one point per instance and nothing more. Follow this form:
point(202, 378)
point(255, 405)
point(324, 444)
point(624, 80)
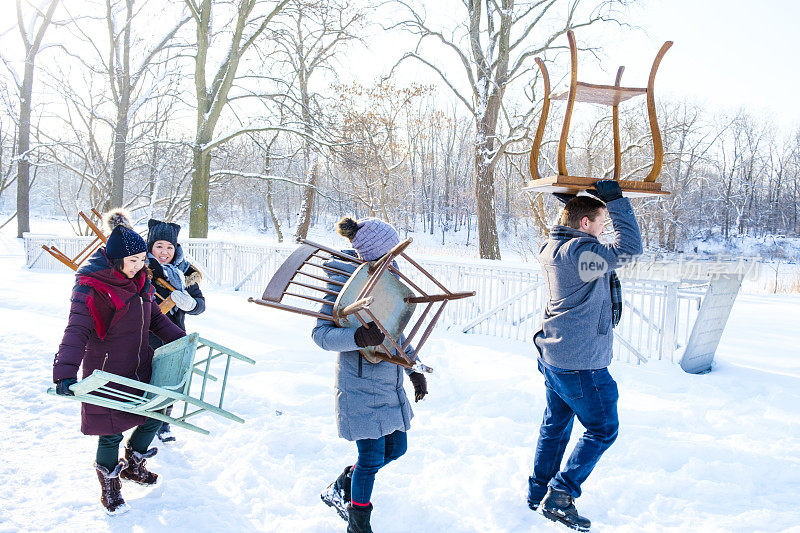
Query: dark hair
point(119, 264)
point(579, 207)
point(347, 227)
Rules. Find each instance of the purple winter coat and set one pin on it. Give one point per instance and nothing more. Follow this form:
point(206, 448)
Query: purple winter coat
point(109, 323)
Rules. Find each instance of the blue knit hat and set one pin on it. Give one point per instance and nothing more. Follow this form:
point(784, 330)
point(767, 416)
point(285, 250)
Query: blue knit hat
point(374, 238)
point(123, 242)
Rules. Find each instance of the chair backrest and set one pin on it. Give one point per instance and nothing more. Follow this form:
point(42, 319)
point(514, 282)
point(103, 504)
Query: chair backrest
point(301, 283)
point(172, 363)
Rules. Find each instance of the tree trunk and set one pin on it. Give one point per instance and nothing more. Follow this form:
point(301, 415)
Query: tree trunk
point(120, 147)
point(275, 222)
point(488, 244)
point(23, 146)
point(307, 205)
point(201, 177)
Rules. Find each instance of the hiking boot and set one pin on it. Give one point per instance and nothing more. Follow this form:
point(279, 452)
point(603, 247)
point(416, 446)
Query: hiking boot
point(337, 495)
point(358, 518)
point(165, 434)
point(560, 507)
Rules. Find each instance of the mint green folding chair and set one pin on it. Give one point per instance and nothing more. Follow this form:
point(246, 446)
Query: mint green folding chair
point(174, 364)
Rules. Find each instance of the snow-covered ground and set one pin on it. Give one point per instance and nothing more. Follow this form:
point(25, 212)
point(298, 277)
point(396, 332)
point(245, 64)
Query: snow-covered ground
point(716, 452)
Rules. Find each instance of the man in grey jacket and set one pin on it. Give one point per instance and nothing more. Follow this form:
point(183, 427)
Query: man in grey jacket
point(575, 345)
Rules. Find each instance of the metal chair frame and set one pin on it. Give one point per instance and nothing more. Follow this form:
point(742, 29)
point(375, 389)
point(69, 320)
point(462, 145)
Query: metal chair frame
point(174, 365)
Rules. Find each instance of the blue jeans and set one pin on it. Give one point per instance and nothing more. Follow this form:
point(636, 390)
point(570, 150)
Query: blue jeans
point(373, 454)
point(592, 396)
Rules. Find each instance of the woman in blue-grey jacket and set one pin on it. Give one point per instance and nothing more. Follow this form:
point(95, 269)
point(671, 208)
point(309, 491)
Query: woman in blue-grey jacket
point(371, 405)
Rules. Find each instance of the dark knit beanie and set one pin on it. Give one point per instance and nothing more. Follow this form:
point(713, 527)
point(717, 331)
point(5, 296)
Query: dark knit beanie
point(158, 230)
point(124, 242)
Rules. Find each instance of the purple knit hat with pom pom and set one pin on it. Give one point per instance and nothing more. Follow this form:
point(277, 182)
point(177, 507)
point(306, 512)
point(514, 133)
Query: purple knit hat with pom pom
point(374, 238)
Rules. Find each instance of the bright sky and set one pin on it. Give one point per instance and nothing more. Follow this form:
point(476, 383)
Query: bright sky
point(727, 53)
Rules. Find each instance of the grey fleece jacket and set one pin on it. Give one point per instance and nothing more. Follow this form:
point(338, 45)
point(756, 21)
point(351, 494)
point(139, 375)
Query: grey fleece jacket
point(576, 331)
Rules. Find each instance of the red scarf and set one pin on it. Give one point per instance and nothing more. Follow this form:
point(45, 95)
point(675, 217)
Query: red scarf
point(112, 290)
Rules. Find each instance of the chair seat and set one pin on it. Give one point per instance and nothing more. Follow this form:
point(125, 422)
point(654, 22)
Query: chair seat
point(575, 184)
point(601, 94)
point(390, 306)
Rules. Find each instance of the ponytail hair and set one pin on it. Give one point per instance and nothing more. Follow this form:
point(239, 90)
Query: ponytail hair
point(347, 227)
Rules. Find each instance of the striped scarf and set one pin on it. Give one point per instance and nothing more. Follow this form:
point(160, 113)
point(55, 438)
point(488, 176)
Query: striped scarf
point(564, 233)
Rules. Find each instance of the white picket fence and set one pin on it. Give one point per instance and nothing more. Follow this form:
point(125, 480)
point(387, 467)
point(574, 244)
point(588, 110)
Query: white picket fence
point(657, 319)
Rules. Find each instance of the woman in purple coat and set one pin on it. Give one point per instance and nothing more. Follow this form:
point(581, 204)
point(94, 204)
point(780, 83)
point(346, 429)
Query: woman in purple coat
point(110, 319)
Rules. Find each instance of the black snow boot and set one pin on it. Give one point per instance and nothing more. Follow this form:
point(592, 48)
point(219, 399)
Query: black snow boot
point(358, 518)
point(164, 433)
point(111, 488)
point(560, 507)
point(136, 471)
point(337, 495)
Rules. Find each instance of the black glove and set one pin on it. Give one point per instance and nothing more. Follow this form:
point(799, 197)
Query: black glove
point(369, 337)
point(606, 190)
point(63, 385)
point(420, 385)
point(563, 197)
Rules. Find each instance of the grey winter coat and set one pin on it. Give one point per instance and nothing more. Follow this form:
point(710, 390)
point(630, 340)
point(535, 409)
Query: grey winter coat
point(370, 400)
point(576, 331)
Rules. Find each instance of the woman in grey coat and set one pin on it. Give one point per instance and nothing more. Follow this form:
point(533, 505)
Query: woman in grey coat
point(371, 406)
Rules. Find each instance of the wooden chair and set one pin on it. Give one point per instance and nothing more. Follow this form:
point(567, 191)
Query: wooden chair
point(610, 95)
point(83, 255)
point(375, 292)
point(75, 262)
point(167, 303)
point(171, 382)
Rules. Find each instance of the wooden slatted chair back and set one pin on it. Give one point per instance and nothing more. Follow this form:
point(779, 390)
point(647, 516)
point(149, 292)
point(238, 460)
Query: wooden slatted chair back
point(302, 282)
point(376, 292)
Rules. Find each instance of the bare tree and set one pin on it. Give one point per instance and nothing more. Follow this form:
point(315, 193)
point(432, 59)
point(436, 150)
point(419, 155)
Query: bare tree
point(126, 79)
point(41, 15)
point(8, 141)
point(134, 74)
point(213, 97)
point(311, 35)
point(495, 46)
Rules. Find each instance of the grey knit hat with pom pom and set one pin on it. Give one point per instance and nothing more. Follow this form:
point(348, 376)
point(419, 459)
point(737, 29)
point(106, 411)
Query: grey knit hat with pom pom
point(372, 238)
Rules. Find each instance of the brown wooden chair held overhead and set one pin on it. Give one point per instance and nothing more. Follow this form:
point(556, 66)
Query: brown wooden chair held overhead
point(75, 262)
point(375, 292)
point(610, 95)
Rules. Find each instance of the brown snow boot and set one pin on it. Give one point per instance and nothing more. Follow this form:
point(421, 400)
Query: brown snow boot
point(110, 488)
point(136, 471)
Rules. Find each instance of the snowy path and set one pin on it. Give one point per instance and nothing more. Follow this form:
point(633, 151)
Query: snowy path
point(719, 452)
